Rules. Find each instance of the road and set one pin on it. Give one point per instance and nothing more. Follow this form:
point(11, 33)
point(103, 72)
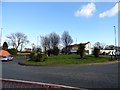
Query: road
point(82, 76)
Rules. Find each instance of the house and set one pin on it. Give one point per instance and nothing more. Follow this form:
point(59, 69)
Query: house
point(74, 48)
point(27, 49)
point(106, 51)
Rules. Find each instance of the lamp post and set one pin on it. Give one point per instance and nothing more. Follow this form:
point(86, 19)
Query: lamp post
point(115, 42)
point(115, 35)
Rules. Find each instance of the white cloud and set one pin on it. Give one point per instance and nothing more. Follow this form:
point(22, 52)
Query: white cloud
point(109, 13)
point(86, 10)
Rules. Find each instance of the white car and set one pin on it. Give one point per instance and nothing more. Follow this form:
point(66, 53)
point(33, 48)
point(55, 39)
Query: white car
point(6, 58)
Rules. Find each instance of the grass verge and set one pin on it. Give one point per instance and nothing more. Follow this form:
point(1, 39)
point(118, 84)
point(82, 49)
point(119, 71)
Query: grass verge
point(68, 59)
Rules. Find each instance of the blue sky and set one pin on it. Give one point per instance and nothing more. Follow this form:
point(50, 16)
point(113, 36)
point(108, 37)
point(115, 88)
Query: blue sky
point(85, 21)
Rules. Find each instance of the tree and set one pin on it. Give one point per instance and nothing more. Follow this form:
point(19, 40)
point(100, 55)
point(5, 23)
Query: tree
point(12, 51)
point(96, 52)
point(17, 39)
point(103, 45)
point(112, 47)
point(24, 42)
point(36, 48)
point(81, 49)
point(66, 39)
point(50, 43)
point(99, 45)
point(33, 46)
point(54, 40)
point(56, 51)
point(5, 46)
point(45, 41)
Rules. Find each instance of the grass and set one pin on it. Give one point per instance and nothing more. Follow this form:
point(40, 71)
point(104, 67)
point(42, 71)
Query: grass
point(69, 59)
point(24, 54)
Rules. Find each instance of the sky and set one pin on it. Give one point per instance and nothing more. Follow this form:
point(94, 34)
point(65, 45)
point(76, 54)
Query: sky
point(85, 21)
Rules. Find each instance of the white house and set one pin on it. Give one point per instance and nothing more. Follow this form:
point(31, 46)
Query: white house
point(74, 48)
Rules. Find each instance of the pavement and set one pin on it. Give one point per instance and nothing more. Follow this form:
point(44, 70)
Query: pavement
point(81, 76)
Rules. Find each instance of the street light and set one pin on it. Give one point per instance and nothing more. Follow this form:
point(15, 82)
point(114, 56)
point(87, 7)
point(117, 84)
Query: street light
point(115, 35)
point(115, 43)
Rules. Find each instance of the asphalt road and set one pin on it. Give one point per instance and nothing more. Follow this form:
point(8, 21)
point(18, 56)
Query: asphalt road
point(82, 76)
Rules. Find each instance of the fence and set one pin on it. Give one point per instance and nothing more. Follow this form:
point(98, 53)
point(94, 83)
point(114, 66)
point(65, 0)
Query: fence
point(10, 84)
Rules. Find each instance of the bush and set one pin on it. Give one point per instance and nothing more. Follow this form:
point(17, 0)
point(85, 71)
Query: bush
point(44, 57)
point(55, 51)
point(32, 55)
point(25, 51)
point(37, 57)
point(96, 52)
point(12, 51)
point(81, 50)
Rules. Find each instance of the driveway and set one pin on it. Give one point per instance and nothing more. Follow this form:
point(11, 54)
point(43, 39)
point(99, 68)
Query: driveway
point(82, 76)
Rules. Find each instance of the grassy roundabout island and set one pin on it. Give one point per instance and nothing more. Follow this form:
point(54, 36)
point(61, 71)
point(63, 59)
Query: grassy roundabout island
point(68, 59)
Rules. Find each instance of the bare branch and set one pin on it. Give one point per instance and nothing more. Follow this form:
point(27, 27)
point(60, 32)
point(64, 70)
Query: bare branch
point(17, 39)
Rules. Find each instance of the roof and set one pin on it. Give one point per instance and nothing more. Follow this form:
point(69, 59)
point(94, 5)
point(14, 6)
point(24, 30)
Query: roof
point(75, 45)
point(4, 53)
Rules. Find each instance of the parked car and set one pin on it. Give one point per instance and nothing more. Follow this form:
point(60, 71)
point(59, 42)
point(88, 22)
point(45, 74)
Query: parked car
point(6, 58)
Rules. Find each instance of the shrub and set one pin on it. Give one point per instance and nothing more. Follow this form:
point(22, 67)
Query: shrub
point(81, 50)
point(32, 55)
point(26, 51)
point(37, 56)
point(12, 51)
point(45, 56)
point(96, 52)
point(55, 51)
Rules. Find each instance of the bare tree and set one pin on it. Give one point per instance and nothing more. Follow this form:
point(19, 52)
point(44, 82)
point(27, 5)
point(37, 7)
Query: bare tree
point(45, 41)
point(54, 40)
point(17, 39)
point(66, 39)
point(12, 40)
point(33, 46)
point(24, 42)
point(99, 45)
point(103, 45)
